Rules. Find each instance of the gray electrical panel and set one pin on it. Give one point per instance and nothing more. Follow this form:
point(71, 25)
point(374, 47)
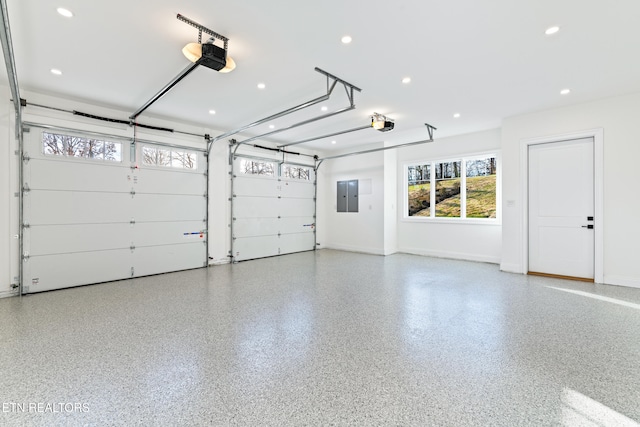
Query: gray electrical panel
point(347, 196)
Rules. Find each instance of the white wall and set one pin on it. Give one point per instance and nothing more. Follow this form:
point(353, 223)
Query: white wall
point(470, 241)
point(390, 202)
point(619, 118)
point(362, 231)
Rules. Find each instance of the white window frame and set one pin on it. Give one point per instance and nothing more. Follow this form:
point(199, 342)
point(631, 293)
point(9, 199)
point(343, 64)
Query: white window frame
point(463, 190)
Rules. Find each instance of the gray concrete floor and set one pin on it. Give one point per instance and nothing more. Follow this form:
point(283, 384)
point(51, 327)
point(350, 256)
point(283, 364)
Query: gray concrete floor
point(324, 338)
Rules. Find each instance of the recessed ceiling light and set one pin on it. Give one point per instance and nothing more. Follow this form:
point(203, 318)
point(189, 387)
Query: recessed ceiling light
point(406, 80)
point(346, 39)
point(333, 142)
point(272, 127)
point(456, 115)
point(261, 85)
point(552, 30)
point(56, 72)
point(324, 108)
point(565, 91)
point(212, 111)
point(64, 12)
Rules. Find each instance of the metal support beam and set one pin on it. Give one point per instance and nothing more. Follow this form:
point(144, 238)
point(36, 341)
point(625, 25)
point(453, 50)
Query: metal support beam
point(342, 132)
point(430, 129)
point(10, 62)
point(331, 84)
point(302, 123)
point(184, 73)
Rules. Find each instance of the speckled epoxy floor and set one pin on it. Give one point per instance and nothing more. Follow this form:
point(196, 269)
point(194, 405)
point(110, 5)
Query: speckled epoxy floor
point(324, 338)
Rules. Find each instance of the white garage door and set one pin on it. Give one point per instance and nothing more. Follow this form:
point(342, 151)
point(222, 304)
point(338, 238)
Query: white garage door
point(93, 216)
point(273, 208)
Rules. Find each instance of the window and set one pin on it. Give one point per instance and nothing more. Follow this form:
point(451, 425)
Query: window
point(75, 146)
point(296, 172)
point(461, 188)
point(169, 158)
point(256, 167)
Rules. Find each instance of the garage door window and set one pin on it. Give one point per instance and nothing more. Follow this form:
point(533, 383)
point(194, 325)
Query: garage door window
point(296, 172)
point(75, 146)
point(255, 167)
point(153, 156)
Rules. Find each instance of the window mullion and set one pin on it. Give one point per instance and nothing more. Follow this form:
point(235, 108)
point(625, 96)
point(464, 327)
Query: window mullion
point(463, 188)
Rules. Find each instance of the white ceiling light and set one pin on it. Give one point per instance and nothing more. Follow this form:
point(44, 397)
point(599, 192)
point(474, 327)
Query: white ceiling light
point(333, 142)
point(261, 85)
point(212, 111)
point(56, 72)
point(272, 126)
point(324, 108)
point(456, 115)
point(552, 30)
point(406, 80)
point(565, 91)
point(65, 12)
point(346, 39)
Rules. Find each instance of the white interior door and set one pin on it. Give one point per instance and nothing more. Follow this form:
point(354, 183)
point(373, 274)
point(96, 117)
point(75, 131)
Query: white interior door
point(90, 220)
point(561, 208)
point(272, 214)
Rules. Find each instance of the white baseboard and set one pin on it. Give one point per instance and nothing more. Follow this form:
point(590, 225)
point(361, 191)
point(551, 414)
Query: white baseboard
point(452, 255)
point(631, 282)
point(361, 249)
point(511, 268)
point(219, 262)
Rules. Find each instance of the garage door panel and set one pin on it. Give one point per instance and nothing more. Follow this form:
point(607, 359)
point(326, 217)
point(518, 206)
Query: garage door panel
point(290, 243)
point(66, 207)
point(296, 224)
point(250, 227)
point(48, 240)
point(44, 273)
point(164, 259)
point(298, 189)
point(78, 175)
point(255, 207)
point(255, 247)
point(163, 207)
point(164, 233)
point(255, 186)
point(92, 221)
point(169, 181)
point(296, 207)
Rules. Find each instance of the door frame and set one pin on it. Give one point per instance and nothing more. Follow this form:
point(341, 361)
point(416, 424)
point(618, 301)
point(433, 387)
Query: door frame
point(598, 196)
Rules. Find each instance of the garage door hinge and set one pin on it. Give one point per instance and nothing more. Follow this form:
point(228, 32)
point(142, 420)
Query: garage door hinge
point(133, 221)
point(25, 256)
point(26, 225)
point(132, 192)
point(132, 247)
point(25, 188)
point(25, 157)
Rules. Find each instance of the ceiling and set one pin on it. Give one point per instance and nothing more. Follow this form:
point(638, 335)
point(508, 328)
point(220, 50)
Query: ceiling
point(484, 60)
